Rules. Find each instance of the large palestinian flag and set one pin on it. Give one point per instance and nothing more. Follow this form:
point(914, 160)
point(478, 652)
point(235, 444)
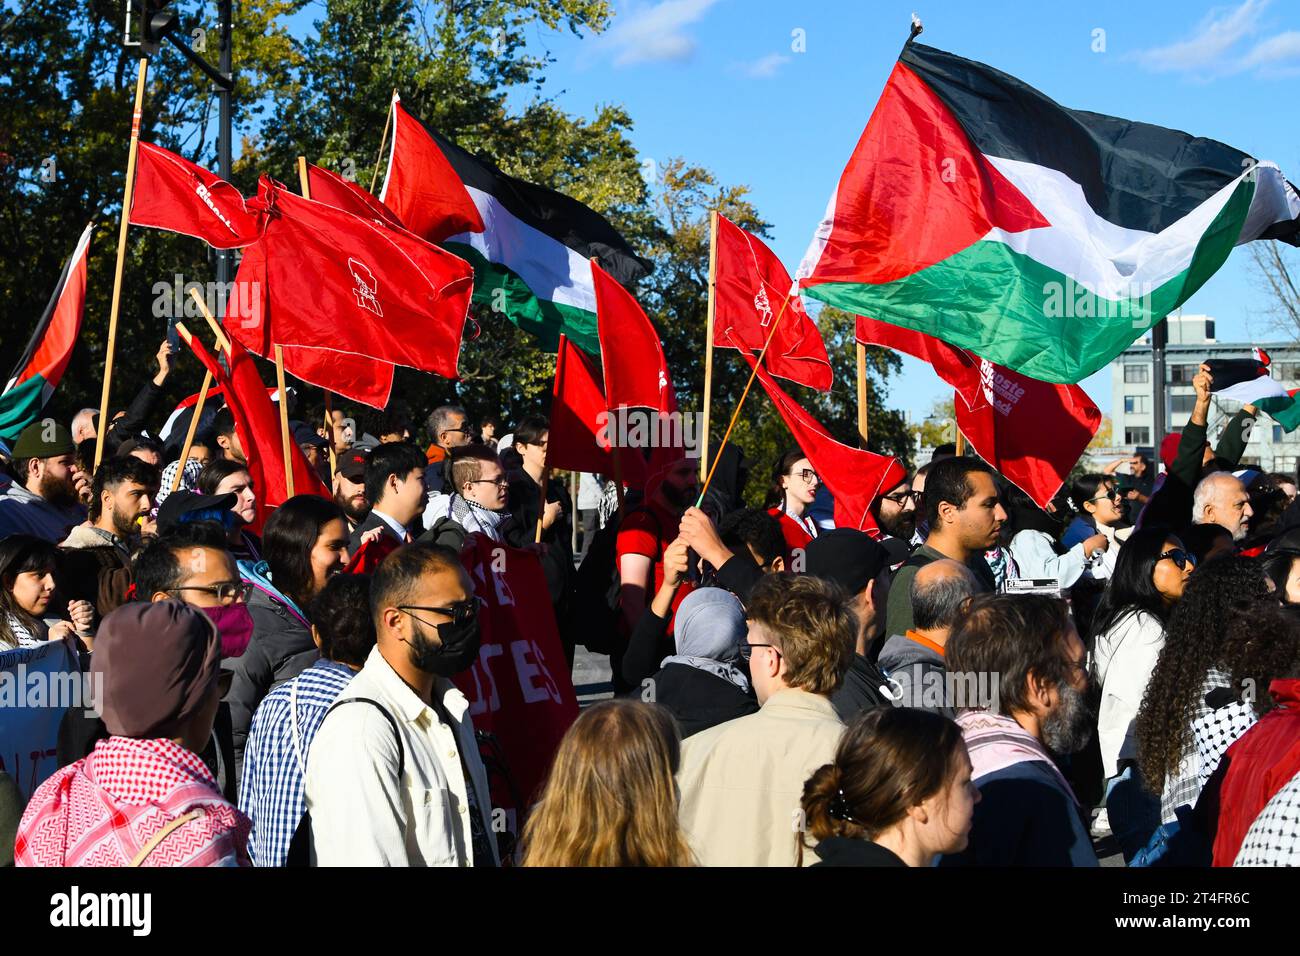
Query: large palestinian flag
point(1044, 239)
point(530, 246)
point(46, 357)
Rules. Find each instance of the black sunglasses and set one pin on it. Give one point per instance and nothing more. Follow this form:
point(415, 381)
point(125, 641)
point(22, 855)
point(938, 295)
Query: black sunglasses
point(462, 612)
point(1179, 557)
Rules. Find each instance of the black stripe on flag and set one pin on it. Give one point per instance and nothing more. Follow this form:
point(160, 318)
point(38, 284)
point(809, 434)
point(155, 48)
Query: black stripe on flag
point(561, 217)
point(1133, 174)
point(1230, 372)
point(43, 325)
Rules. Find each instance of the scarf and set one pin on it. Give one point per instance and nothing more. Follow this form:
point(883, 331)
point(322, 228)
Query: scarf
point(189, 478)
point(709, 626)
point(996, 742)
point(472, 516)
point(259, 576)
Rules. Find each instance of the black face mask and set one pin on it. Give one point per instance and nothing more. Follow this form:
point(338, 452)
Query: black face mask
point(456, 653)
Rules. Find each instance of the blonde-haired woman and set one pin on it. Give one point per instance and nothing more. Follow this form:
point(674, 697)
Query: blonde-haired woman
point(611, 799)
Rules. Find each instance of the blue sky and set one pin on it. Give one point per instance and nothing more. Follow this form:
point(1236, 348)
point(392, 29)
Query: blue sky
point(775, 94)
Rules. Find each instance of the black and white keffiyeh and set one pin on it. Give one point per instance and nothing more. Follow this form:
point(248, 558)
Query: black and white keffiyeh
point(1274, 838)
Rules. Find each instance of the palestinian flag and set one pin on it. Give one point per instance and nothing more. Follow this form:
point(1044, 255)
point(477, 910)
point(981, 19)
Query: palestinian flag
point(46, 357)
point(530, 246)
point(1044, 239)
point(1245, 380)
point(1285, 409)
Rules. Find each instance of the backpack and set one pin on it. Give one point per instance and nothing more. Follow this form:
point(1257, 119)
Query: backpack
point(593, 617)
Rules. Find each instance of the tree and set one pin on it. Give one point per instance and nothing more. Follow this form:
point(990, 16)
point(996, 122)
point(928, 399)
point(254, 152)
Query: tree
point(1277, 269)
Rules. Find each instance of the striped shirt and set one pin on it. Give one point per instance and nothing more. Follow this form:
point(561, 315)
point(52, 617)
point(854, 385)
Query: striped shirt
point(271, 792)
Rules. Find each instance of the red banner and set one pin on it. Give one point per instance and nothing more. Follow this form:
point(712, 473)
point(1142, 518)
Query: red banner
point(519, 690)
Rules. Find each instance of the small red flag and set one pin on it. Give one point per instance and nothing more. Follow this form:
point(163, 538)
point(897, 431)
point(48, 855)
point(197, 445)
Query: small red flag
point(174, 194)
point(257, 424)
point(329, 187)
point(752, 291)
point(1032, 432)
point(355, 377)
point(580, 420)
point(855, 478)
point(636, 373)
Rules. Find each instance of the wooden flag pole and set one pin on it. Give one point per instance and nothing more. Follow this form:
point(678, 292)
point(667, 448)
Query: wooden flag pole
point(127, 195)
point(961, 443)
point(741, 404)
point(217, 330)
point(305, 184)
point(284, 420)
point(708, 344)
point(194, 420)
point(862, 393)
point(383, 141)
point(546, 477)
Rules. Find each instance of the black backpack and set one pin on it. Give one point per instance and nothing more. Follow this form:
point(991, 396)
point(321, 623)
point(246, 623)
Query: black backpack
point(593, 618)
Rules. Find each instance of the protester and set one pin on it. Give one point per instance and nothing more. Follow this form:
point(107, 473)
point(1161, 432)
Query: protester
point(408, 731)
point(1180, 735)
point(794, 487)
point(895, 512)
point(487, 431)
point(914, 662)
point(1206, 541)
point(95, 558)
point(1098, 508)
point(450, 430)
point(43, 499)
point(314, 447)
point(748, 545)
point(143, 797)
point(741, 781)
point(229, 477)
point(1265, 757)
point(898, 793)
point(133, 422)
point(394, 479)
point(525, 504)
point(644, 535)
point(918, 500)
point(203, 451)
point(477, 503)
point(223, 426)
point(286, 721)
point(860, 567)
point(965, 516)
point(610, 799)
point(1148, 581)
point(305, 543)
point(650, 641)
point(1027, 814)
point(1035, 546)
point(84, 425)
point(702, 683)
point(1221, 498)
point(350, 486)
point(27, 582)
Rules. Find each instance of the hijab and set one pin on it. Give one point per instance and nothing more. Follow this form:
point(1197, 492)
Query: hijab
point(709, 626)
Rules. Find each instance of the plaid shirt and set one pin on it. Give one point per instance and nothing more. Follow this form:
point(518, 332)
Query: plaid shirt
point(272, 789)
point(1274, 837)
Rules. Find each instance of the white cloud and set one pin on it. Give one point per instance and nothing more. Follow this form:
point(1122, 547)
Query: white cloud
point(1221, 45)
point(765, 67)
point(654, 33)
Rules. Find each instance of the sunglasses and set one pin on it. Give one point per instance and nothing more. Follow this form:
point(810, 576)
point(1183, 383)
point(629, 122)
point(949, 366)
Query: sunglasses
point(462, 612)
point(226, 592)
point(747, 650)
point(1179, 557)
point(1113, 496)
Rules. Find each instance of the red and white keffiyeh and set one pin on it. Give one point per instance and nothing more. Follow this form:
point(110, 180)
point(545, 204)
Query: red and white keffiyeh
point(100, 811)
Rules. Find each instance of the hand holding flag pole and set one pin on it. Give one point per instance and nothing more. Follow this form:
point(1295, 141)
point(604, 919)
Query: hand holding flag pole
point(132, 152)
point(743, 395)
point(184, 333)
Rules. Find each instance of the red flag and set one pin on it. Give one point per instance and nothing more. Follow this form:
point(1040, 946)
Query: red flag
point(636, 373)
point(1032, 432)
point(519, 689)
point(421, 187)
point(368, 557)
point(257, 424)
point(855, 478)
point(174, 194)
point(353, 376)
point(328, 187)
point(580, 420)
point(336, 281)
point(752, 289)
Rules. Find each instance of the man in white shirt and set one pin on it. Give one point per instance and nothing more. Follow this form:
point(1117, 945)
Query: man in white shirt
point(394, 776)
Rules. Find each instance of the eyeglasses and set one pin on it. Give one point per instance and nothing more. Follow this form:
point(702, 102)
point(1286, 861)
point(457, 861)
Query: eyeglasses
point(902, 497)
point(806, 475)
point(1179, 557)
point(462, 612)
point(747, 650)
point(1115, 495)
point(227, 592)
point(501, 482)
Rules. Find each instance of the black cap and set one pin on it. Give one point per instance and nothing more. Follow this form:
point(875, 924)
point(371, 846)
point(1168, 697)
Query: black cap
point(352, 463)
point(304, 434)
point(846, 556)
point(181, 503)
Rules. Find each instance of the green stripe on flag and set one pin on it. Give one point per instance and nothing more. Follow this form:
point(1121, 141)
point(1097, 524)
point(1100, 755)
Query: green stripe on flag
point(502, 290)
point(20, 406)
point(1284, 411)
point(1011, 309)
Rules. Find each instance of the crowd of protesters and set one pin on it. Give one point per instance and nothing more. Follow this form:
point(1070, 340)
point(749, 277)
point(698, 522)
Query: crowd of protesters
point(977, 681)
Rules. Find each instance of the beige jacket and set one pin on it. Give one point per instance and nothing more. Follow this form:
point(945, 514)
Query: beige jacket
point(741, 781)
